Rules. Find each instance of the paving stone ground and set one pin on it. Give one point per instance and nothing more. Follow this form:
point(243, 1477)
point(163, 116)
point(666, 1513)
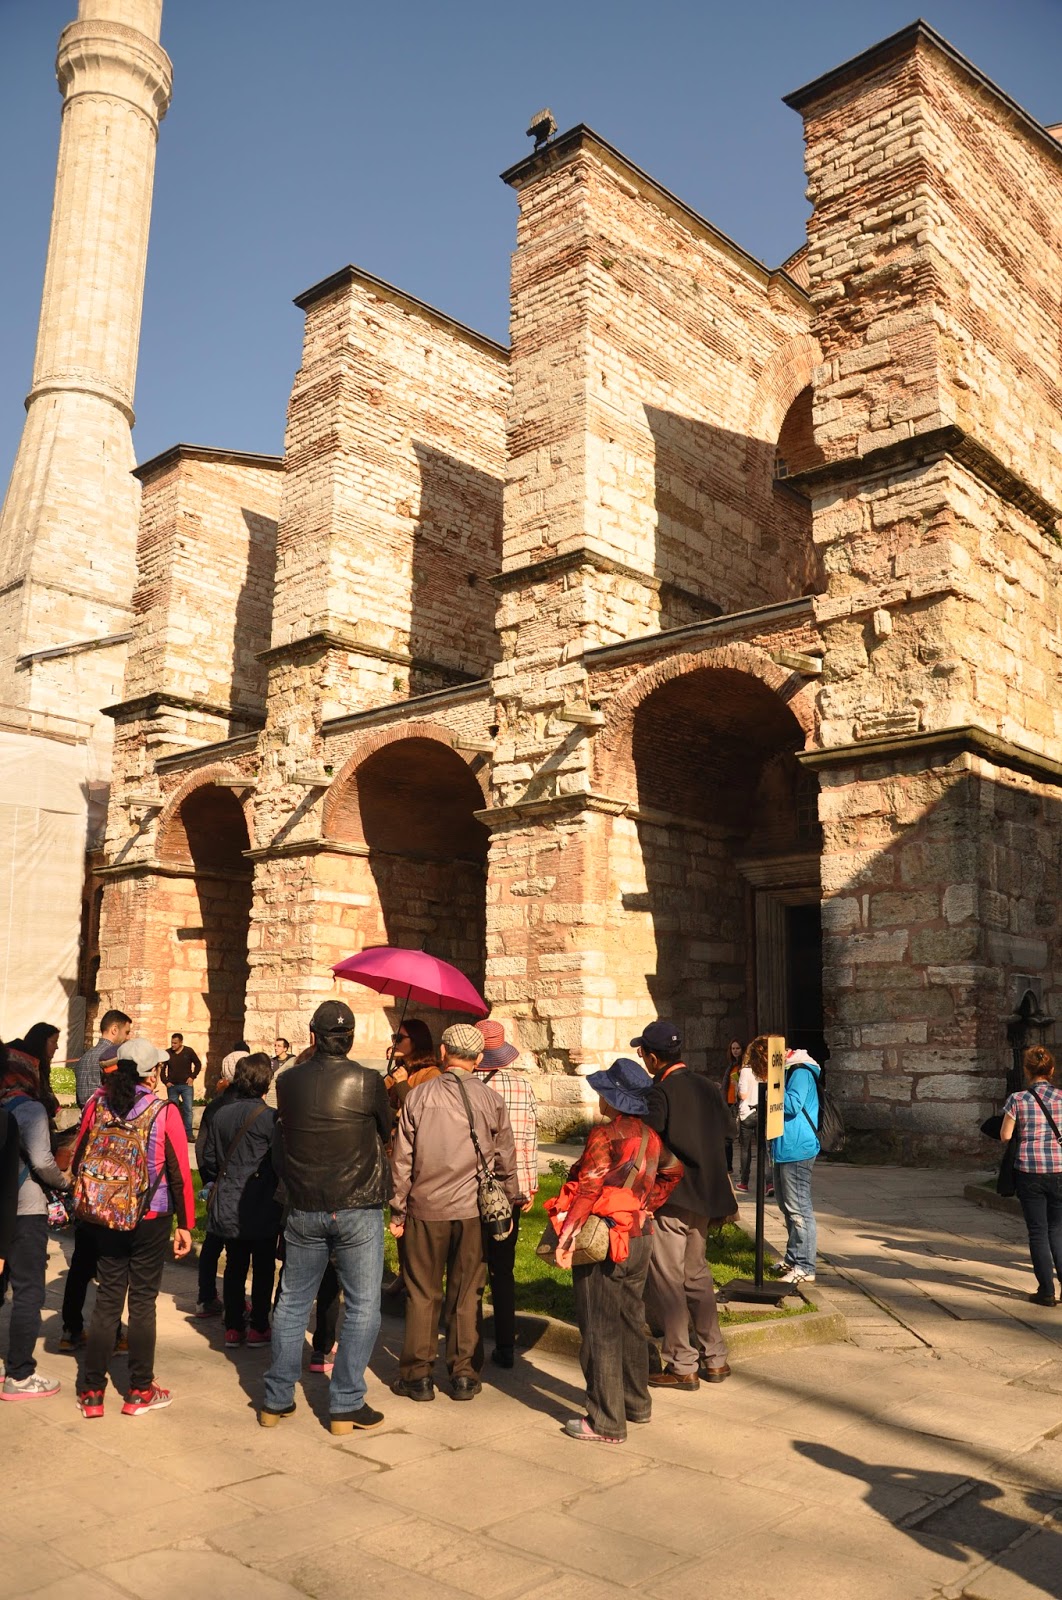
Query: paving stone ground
point(922, 1459)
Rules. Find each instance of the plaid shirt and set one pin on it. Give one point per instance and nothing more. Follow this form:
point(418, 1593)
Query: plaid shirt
point(87, 1071)
point(1038, 1149)
point(519, 1100)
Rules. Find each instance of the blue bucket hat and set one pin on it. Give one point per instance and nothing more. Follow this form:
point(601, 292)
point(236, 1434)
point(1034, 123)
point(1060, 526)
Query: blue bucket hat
point(625, 1086)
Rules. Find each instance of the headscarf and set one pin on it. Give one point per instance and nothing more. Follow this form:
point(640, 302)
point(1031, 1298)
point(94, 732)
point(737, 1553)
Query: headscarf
point(20, 1075)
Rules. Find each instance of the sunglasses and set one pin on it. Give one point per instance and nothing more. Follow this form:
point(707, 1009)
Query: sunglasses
point(399, 1038)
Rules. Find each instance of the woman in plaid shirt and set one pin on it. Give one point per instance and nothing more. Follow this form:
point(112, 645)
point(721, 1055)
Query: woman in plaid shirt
point(500, 1254)
point(1036, 1112)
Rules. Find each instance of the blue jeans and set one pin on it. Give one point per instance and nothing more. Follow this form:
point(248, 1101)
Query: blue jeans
point(181, 1094)
point(792, 1189)
point(1040, 1195)
point(355, 1240)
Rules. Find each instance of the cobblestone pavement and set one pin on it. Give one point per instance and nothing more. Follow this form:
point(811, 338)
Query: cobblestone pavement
point(923, 1459)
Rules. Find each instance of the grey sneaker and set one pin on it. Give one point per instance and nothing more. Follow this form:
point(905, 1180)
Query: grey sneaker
point(35, 1387)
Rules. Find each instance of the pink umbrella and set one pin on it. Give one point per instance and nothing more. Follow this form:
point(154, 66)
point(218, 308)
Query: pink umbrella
point(413, 975)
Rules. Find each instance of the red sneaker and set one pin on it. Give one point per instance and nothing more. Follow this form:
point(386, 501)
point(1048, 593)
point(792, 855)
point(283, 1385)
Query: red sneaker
point(254, 1337)
point(138, 1401)
point(234, 1337)
point(90, 1402)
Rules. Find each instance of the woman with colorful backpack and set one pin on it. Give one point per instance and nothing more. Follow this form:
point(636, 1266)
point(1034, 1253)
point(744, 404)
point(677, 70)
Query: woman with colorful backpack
point(131, 1176)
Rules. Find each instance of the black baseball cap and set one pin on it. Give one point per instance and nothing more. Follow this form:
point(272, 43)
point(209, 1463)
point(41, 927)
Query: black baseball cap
point(332, 1017)
point(660, 1038)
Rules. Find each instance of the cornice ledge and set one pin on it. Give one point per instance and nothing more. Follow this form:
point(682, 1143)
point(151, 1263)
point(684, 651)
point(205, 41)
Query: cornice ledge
point(306, 847)
point(965, 740)
point(952, 441)
point(553, 805)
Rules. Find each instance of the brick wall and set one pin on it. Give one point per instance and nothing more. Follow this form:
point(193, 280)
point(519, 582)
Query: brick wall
point(391, 518)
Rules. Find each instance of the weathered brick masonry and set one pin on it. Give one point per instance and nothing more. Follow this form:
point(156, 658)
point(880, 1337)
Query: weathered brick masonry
point(699, 654)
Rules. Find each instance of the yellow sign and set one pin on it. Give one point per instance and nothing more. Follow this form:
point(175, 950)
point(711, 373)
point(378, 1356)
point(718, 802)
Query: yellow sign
point(775, 1085)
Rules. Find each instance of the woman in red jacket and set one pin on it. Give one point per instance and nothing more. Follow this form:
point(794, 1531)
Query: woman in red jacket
point(622, 1154)
point(132, 1259)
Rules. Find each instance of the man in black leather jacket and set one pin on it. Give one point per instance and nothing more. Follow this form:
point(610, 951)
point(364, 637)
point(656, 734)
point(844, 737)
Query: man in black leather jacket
point(328, 1150)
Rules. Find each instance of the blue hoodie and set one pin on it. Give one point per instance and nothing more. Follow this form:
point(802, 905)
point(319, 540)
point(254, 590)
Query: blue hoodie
point(799, 1140)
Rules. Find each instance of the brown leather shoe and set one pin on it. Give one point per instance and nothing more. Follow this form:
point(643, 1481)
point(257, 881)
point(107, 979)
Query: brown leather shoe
point(674, 1380)
point(715, 1374)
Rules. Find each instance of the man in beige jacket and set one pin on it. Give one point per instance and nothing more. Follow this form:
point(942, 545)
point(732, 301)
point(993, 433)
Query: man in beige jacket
point(435, 1209)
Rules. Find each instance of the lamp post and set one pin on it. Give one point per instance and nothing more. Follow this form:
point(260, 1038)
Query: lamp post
point(1025, 1026)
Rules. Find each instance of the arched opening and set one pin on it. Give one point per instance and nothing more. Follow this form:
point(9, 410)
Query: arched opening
point(791, 523)
point(719, 864)
point(413, 804)
point(209, 906)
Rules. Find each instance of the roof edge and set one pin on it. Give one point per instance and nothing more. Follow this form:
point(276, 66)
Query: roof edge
point(582, 136)
point(203, 452)
point(901, 43)
point(409, 302)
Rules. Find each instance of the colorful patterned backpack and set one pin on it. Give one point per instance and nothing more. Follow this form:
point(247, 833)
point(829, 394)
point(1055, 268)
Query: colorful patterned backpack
point(113, 1186)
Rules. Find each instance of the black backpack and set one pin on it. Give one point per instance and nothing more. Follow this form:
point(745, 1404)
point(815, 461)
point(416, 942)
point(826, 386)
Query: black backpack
point(830, 1131)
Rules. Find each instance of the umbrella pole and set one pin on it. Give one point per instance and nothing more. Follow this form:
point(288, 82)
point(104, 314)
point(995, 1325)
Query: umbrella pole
point(401, 1020)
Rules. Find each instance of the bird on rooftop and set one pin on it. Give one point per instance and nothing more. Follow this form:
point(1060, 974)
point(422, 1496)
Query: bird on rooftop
point(543, 127)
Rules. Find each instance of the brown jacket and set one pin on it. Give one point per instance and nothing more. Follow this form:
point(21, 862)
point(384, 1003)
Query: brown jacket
point(434, 1163)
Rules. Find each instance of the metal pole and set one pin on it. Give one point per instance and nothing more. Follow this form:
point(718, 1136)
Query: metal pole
point(761, 1176)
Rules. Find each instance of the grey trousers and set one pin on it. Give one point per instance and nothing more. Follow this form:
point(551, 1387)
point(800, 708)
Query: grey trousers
point(613, 1352)
point(679, 1290)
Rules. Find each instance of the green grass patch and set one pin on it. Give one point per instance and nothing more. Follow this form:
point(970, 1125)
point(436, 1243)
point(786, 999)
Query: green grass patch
point(199, 1231)
point(545, 1290)
point(62, 1079)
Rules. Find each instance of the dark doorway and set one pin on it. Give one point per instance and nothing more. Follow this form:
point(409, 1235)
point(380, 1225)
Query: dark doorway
point(804, 1023)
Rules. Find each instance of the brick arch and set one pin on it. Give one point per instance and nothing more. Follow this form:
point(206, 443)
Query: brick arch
point(170, 827)
point(613, 763)
point(341, 811)
point(789, 371)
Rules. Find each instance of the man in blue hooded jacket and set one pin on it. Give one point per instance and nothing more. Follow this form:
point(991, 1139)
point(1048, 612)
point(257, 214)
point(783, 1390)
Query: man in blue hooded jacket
point(793, 1154)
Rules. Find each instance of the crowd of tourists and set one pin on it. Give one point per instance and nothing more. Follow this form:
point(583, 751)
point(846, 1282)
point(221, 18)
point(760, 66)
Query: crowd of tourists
point(299, 1156)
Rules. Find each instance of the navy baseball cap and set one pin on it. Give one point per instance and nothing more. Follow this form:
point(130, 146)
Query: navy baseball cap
point(660, 1038)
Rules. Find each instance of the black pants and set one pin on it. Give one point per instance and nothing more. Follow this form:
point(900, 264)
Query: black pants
point(209, 1256)
point(127, 1262)
point(747, 1143)
point(1040, 1195)
point(614, 1353)
point(79, 1275)
point(324, 1328)
point(261, 1256)
point(26, 1276)
point(501, 1263)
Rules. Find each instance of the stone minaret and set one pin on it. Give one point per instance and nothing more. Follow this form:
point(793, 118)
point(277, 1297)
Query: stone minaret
point(69, 524)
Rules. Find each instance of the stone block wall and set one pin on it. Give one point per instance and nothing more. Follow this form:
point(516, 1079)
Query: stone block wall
point(940, 905)
point(206, 564)
point(391, 523)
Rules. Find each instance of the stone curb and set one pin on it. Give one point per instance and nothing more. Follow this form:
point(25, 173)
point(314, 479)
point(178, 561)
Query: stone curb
point(990, 1201)
point(745, 1340)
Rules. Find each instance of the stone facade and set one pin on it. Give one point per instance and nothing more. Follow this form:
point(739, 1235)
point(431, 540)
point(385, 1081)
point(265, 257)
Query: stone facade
point(697, 655)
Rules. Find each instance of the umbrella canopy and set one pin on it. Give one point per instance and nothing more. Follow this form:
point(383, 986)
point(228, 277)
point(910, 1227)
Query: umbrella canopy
point(413, 975)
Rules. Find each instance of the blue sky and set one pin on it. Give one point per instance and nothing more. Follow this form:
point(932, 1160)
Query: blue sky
point(303, 137)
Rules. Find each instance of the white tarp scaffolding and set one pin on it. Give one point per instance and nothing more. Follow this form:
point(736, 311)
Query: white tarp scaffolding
point(44, 800)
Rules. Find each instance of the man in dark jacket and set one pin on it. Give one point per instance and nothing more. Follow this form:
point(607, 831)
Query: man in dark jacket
point(333, 1119)
point(689, 1113)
